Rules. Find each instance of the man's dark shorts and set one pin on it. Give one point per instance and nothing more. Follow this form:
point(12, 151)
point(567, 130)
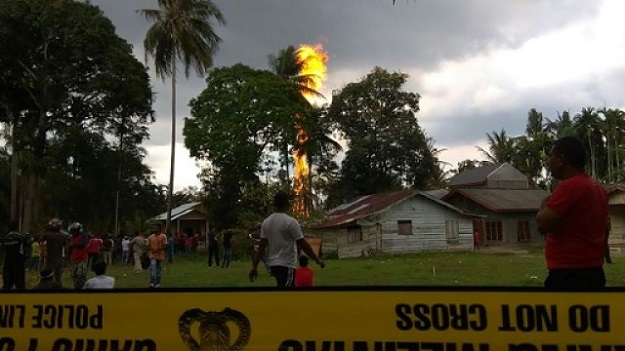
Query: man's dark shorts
point(285, 276)
point(576, 279)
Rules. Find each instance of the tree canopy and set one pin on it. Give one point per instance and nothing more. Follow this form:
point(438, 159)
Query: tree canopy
point(387, 148)
point(66, 70)
point(238, 124)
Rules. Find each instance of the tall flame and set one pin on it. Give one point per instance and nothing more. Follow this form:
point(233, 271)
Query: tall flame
point(312, 73)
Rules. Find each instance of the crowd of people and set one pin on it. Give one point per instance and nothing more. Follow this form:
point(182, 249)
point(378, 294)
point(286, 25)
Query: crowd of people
point(80, 252)
point(574, 220)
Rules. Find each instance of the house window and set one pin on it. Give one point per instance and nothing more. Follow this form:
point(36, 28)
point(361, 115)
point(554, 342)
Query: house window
point(452, 233)
point(493, 231)
point(404, 227)
point(523, 231)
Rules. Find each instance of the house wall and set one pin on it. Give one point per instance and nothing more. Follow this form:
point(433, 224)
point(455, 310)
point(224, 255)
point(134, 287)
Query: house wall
point(617, 232)
point(194, 222)
point(428, 228)
point(356, 241)
point(509, 222)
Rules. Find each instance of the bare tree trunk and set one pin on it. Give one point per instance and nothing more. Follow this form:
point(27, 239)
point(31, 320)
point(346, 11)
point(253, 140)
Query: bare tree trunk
point(173, 145)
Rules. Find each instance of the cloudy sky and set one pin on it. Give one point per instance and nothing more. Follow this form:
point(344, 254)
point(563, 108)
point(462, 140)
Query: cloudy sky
point(479, 65)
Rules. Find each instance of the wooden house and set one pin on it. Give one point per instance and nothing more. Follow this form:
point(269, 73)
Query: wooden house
point(187, 219)
point(402, 221)
point(502, 195)
point(616, 198)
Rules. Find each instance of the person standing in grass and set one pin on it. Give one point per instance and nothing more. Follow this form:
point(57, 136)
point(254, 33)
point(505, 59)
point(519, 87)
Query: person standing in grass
point(227, 244)
point(170, 249)
point(213, 248)
point(304, 276)
point(138, 245)
point(56, 246)
point(78, 255)
point(280, 236)
point(14, 270)
point(34, 263)
point(574, 220)
point(157, 243)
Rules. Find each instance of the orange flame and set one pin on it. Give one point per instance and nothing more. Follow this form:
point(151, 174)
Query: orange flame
point(311, 60)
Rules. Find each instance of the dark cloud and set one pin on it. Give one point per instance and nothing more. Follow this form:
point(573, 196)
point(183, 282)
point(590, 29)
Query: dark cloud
point(416, 36)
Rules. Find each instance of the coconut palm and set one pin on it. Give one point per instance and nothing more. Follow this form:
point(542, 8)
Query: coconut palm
point(182, 30)
point(560, 127)
point(587, 129)
point(612, 127)
point(285, 65)
point(500, 147)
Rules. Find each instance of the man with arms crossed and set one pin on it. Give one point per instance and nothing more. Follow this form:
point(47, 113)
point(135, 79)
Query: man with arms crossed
point(280, 234)
point(573, 219)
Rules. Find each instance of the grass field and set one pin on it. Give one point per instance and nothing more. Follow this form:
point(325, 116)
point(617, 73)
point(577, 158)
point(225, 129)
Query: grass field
point(484, 268)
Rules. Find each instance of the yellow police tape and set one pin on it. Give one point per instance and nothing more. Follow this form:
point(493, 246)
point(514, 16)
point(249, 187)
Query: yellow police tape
point(324, 320)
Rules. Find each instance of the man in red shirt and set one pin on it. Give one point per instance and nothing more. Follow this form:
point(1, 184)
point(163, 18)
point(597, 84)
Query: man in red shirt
point(78, 254)
point(573, 219)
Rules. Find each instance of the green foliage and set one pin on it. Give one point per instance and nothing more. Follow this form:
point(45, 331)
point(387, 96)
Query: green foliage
point(69, 83)
point(387, 148)
point(474, 269)
point(182, 30)
point(601, 132)
point(241, 117)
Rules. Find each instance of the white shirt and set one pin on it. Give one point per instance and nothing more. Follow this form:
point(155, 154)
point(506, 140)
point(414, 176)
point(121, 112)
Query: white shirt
point(282, 232)
point(125, 244)
point(100, 282)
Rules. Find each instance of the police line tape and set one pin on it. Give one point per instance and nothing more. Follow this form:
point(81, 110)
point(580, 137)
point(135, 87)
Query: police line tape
point(315, 320)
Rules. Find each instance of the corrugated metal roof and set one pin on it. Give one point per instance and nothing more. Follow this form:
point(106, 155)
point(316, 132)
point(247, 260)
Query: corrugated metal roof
point(178, 211)
point(504, 200)
point(437, 193)
point(371, 204)
point(473, 176)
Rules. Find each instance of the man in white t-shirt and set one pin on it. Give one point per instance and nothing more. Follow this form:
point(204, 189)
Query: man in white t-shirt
point(125, 250)
point(100, 281)
point(280, 235)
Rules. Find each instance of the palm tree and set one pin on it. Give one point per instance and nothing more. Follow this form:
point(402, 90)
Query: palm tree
point(561, 126)
point(286, 66)
point(612, 126)
point(587, 127)
point(500, 147)
point(181, 31)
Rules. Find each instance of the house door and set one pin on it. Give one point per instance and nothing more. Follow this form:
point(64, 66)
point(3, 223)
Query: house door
point(478, 225)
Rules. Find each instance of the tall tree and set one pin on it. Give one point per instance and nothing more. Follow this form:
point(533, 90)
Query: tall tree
point(500, 147)
point(182, 30)
point(387, 148)
point(587, 129)
point(237, 124)
point(531, 150)
point(613, 126)
point(560, 127)
point(64, 68)
point(286, 65)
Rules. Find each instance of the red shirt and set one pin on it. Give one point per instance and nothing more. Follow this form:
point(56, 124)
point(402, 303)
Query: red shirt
point(95, 245)
point(579, 241)
point(78, 244)
point(304, 277)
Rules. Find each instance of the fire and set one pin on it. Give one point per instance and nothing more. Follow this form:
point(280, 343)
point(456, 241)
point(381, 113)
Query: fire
point(311, 60)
